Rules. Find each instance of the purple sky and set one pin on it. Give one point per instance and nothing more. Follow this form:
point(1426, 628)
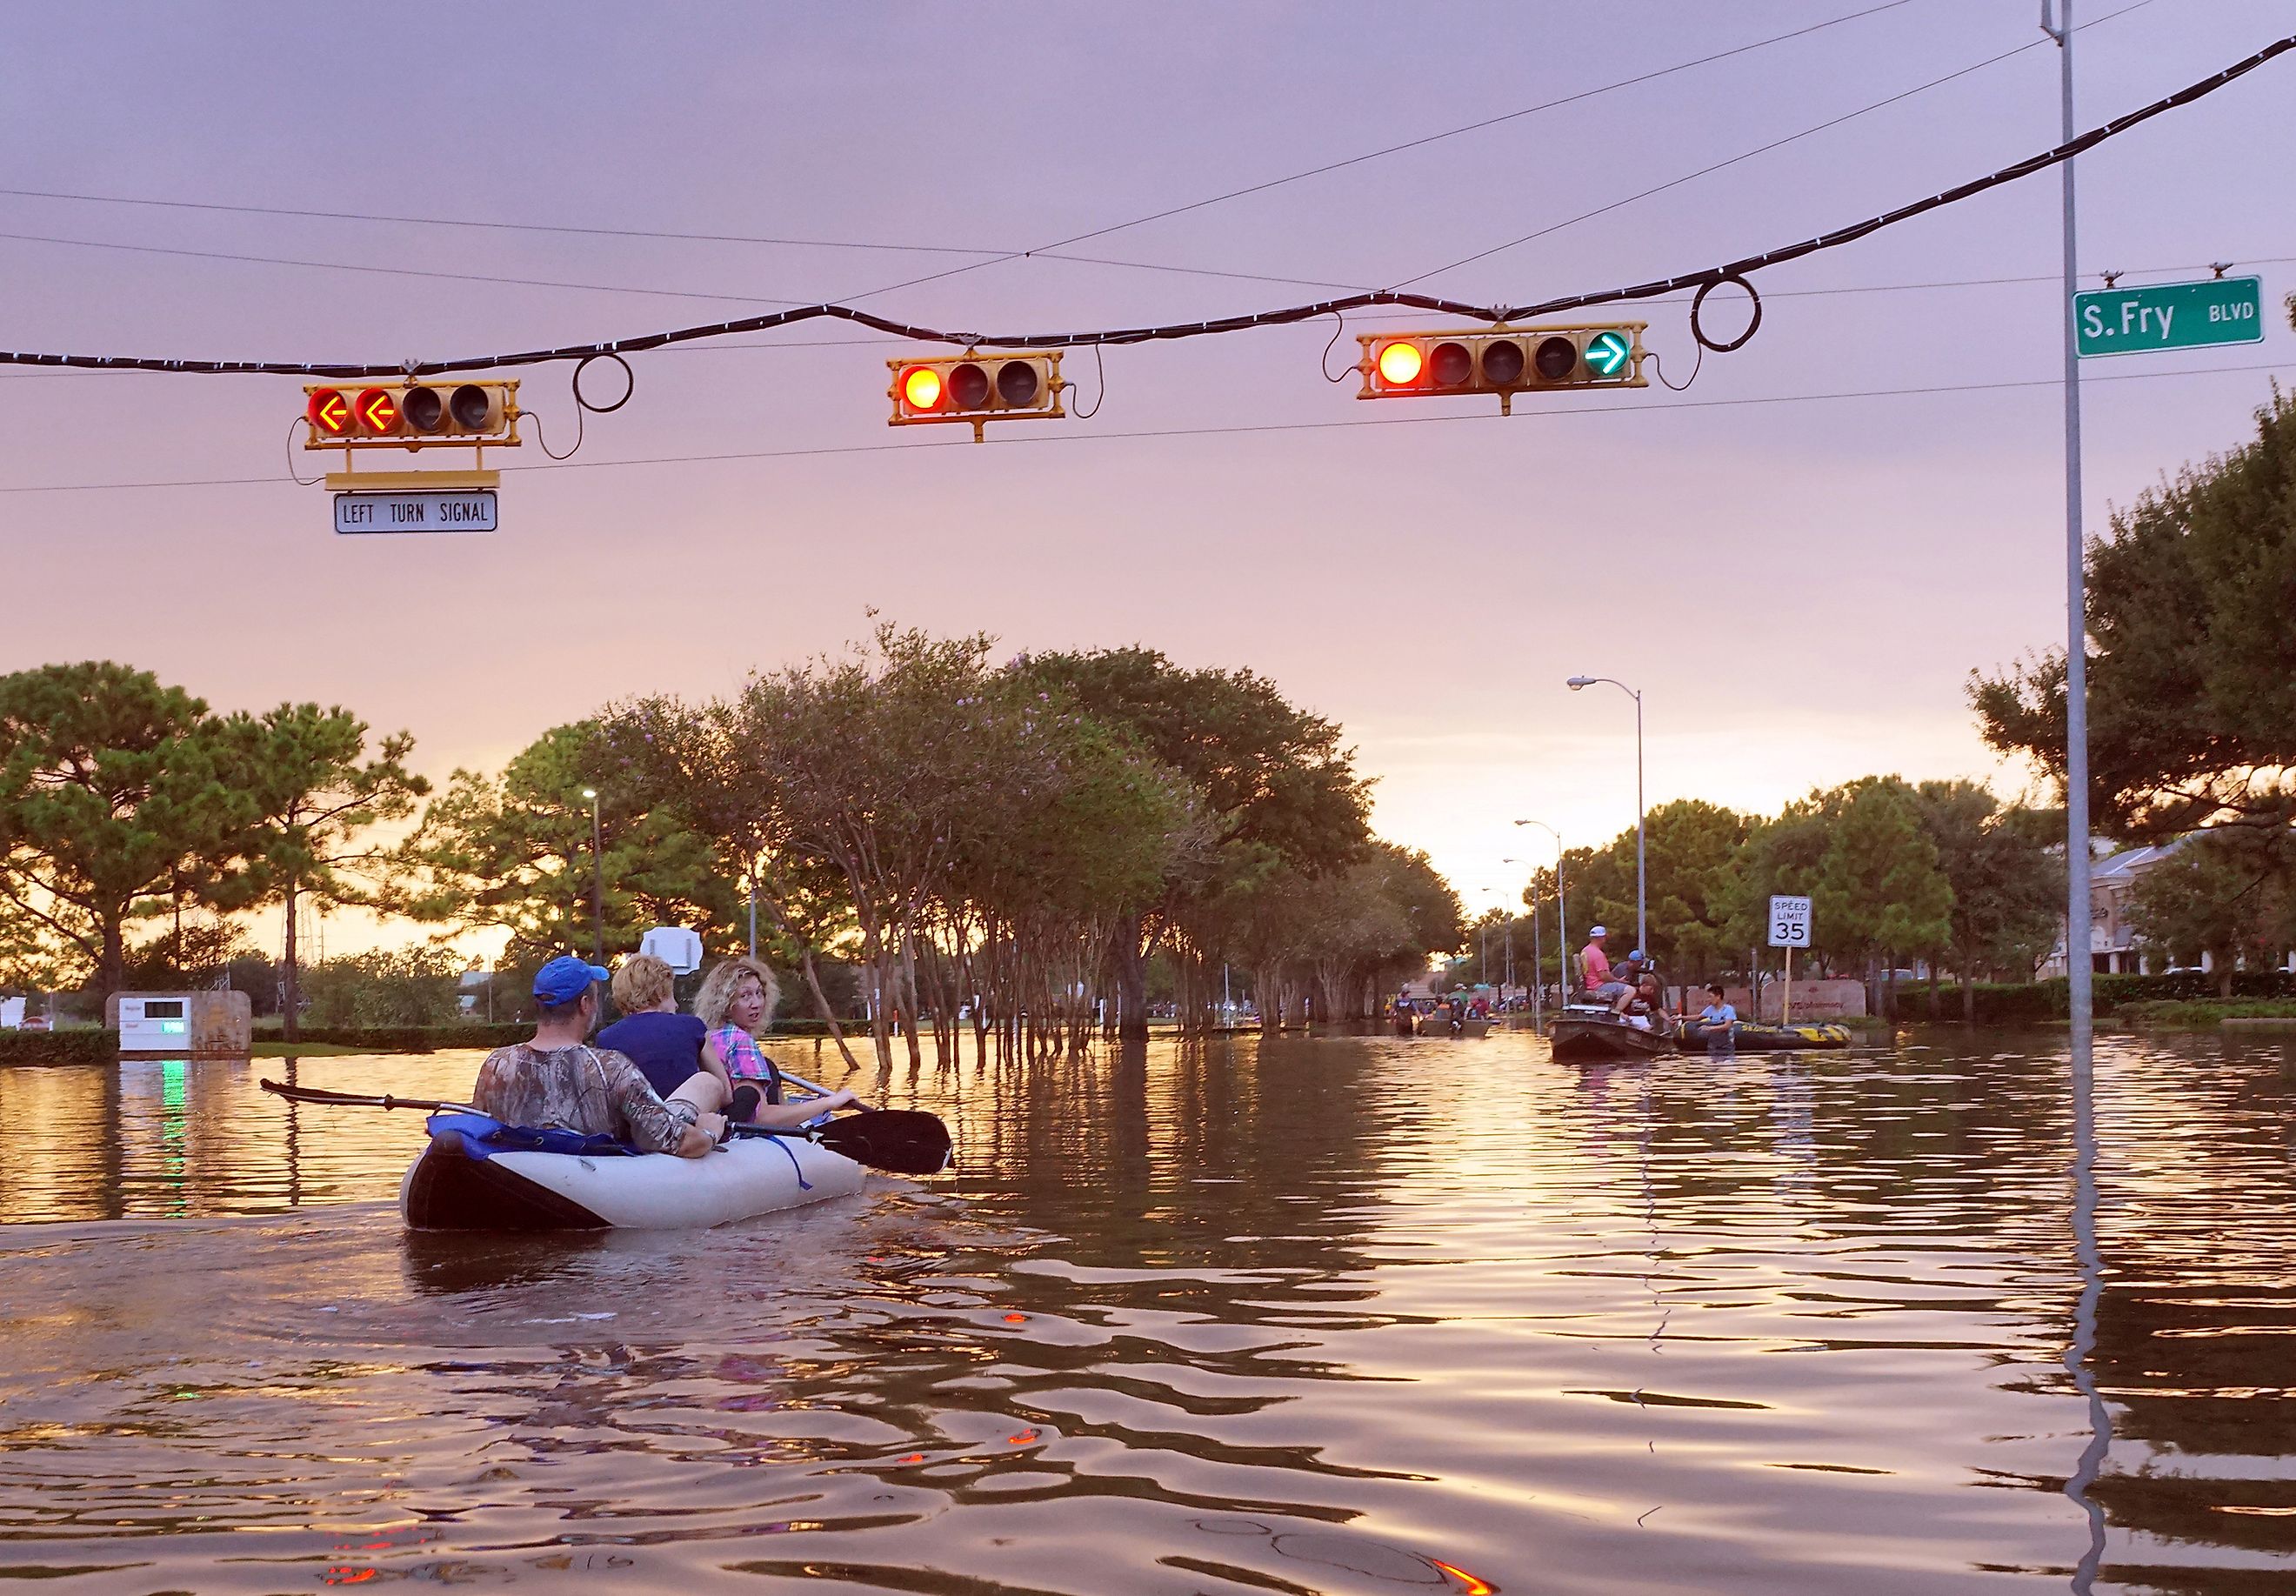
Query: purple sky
point(1801, 587)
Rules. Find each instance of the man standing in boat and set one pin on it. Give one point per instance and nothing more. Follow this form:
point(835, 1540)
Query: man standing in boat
point(559, 1079)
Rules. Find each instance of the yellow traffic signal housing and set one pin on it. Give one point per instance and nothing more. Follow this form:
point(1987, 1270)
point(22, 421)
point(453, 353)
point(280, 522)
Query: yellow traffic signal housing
point(1503, 361)
point(411, 415)
point(1007, 386)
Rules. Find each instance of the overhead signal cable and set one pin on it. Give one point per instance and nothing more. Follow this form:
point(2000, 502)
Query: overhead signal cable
point(771, 345)
point(820, 451)
point(1702, 279)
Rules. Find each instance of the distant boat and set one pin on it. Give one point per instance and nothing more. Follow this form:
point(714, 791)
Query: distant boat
point(1445, 1025)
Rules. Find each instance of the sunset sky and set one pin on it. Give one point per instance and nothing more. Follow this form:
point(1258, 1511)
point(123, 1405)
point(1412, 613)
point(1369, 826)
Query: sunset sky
point(1801, 583)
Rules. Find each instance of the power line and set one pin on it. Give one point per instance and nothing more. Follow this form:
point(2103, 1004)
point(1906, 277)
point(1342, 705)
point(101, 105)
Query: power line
point(997, 256)
point(1510, 116)
point(1730, 271)
point(1777, 143)
point(609, 288)
point(1080, 437)
point(392, 271)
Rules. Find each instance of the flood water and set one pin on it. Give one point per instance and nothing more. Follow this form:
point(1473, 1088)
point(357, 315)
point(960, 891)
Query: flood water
point(1308, 1316)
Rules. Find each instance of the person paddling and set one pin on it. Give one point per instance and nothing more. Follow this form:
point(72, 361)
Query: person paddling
point(1718, 1019)
point(558, 1078)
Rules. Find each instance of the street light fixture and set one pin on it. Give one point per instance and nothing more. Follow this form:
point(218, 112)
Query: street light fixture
point(597, 882)
point(1642, 918)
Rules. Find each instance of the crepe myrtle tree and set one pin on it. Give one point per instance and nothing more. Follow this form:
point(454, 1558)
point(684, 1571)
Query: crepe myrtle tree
point(1272, 781)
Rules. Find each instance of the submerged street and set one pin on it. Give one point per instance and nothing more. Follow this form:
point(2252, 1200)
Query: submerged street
point(1328, 1315)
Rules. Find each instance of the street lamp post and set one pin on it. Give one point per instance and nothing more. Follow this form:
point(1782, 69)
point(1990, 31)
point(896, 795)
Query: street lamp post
point(597, 881)
point(1642, 918)
point(1562, 920)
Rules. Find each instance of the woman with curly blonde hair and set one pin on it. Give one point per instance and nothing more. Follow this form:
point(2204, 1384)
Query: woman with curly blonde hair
point(735, 1002)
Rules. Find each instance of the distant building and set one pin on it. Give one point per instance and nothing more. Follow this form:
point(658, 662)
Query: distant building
point(2115, 946)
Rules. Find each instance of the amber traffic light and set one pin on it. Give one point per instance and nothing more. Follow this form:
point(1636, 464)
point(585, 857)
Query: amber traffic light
point(411, 415)
point(1503, 361)
point(977, 386)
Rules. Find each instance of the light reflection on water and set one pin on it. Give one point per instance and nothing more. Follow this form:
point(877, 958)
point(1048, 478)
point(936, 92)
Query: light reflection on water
point(1312, 1315)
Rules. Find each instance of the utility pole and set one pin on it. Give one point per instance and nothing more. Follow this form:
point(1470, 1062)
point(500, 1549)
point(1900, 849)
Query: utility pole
point(2078, 960)
point(597, 881)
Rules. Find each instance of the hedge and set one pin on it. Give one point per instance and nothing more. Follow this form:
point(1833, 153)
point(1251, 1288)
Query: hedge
point(79, 1046)
point(2038, 1003)
point(88, 1046)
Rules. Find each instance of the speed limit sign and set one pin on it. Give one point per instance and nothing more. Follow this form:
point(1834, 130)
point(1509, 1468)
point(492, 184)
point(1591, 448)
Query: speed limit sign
point(1789, 921)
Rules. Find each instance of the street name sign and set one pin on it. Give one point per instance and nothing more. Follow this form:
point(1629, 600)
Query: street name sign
point(1789, 921)
point(415, 512)
point(2169, 316)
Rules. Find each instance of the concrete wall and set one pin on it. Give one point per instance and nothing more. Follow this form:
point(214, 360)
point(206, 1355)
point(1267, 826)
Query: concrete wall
point(222, 1024)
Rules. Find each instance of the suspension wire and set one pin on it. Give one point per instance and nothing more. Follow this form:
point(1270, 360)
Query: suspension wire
point(1282, 317)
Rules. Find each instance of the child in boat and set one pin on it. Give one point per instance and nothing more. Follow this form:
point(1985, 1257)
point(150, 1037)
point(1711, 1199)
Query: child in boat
point(737, 999)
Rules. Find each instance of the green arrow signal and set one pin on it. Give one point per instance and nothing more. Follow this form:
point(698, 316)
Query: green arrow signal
point(1607, 354)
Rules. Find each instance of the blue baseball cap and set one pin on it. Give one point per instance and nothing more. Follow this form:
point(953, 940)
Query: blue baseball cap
point(565, 978)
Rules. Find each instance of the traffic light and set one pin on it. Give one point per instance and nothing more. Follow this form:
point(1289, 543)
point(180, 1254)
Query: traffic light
point(411, 415)
point(1504, 361)
point(978, 388)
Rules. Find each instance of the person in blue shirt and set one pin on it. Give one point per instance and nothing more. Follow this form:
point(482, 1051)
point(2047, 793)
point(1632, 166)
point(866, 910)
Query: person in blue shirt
point(669, 1048)
point(1717, 1019)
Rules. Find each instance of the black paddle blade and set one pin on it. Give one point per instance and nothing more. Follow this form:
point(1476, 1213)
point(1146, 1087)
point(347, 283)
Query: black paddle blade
point(897, 1140)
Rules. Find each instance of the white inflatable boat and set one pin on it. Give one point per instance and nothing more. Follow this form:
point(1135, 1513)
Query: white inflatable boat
point(478, 1175)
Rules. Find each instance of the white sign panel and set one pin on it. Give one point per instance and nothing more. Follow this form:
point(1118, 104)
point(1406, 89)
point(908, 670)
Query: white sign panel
point(1789, 921)
point(471, 512)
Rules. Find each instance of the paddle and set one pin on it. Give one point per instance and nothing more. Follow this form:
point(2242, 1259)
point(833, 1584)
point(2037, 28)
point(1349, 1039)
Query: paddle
point(897, 1140)
point(313, 1094)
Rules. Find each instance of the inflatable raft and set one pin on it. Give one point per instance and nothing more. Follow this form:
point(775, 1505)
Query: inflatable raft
point(481, 1174)
point(1749, 1039)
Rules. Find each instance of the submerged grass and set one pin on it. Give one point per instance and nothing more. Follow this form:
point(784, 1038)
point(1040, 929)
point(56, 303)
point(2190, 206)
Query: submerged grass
point(2204, 1015)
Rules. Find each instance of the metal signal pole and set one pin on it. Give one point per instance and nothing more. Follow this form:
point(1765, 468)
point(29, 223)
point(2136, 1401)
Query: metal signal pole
point(2079, 961)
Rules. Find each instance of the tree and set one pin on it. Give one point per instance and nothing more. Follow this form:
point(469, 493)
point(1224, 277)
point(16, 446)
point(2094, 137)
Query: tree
point(388, 987)
point(112, 788)
point(1880, 888)
point(319, 797)
point(513, 855)
point(2191, 624)
point(1271, 780)
point(2221, 894)
point(2008, 888)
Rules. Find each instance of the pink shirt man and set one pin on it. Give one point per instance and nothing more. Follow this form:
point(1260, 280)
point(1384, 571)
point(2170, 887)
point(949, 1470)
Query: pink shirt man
point(1595, 964)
